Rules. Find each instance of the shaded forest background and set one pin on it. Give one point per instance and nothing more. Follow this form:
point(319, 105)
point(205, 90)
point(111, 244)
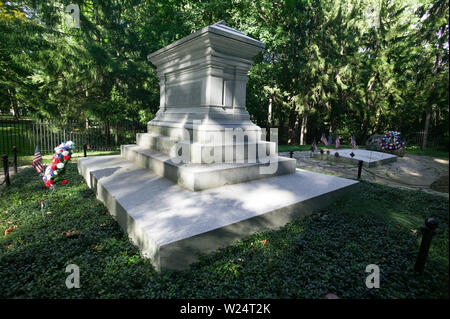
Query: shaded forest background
point(347, 67)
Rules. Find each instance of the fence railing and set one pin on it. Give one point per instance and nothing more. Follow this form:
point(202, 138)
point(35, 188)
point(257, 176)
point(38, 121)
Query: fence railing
point(25, 134)
point(432, 141)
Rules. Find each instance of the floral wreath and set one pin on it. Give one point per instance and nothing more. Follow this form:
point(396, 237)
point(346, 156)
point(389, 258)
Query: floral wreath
point(392, 140)
point(55, 170)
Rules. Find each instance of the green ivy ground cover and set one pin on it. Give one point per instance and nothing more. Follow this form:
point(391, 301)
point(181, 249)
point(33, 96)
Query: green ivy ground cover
point(309, 258)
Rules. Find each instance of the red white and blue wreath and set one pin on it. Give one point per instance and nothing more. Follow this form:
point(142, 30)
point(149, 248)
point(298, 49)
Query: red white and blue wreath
point(55, 171)
point(392, 141)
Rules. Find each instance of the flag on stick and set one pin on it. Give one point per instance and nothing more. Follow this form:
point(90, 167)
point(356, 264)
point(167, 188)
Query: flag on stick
point(353, 142)
point(338, 142)
point(323, 139)
point(330, 139)
point(37, 160)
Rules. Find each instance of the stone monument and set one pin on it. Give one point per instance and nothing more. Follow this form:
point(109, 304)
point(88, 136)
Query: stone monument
point(203, 176)
point(202, 114)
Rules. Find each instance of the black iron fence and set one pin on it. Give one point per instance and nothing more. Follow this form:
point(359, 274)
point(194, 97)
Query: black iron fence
point(433, 141)
point(25, 134)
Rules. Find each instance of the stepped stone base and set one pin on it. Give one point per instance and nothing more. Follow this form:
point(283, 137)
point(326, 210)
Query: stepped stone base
point(235, 151)
point(171, 225)
point(197, 177)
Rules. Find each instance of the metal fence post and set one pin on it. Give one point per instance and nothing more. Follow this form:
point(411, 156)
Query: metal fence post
point(428, 231)
point(360, 164)
point(85, 149)
point(14, 150)
point(6, 169)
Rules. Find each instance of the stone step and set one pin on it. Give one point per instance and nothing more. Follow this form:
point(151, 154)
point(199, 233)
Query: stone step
point(207, 152)
point(197, 177)
point(177, 130)
point(160, 143)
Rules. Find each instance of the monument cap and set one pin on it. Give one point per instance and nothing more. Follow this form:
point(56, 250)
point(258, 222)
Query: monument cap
point(221, 29)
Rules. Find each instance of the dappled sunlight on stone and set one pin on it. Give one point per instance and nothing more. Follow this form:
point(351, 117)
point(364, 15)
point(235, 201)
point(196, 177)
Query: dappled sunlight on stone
point(410, 171)
point(441, 161)
point(161, 216)
point(257, 197)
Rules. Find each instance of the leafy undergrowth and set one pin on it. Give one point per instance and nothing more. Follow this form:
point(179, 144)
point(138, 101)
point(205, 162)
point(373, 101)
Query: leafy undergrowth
point(325, 253)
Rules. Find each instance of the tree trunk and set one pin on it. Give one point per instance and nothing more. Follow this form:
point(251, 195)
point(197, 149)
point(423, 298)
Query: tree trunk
point(303, 129)
point(296, 127)
point(107, 134)
point(427, 126)
point(291, 126)
point(116, 137)
point(86, 127)
point(13, 102)
point(269, 119)
point(294, 118)
point(430, 107)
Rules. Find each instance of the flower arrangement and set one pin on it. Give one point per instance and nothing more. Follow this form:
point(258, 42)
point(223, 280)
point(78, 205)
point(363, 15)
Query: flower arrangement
point(392, 141)
point(55, 170)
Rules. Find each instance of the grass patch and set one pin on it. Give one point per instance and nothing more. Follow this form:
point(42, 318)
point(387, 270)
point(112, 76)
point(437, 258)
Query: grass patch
point(308, 258)
point(417, 150)
point(441, 184)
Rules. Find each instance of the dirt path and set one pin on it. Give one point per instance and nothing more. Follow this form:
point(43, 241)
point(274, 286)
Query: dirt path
point(411, 171)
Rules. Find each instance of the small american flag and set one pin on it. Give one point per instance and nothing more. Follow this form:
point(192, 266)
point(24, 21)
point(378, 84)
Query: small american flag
point(323, 139)
point(338, 142)
point(330, 139)
point(353, 142)
point(37, 158)
point(314, 146)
